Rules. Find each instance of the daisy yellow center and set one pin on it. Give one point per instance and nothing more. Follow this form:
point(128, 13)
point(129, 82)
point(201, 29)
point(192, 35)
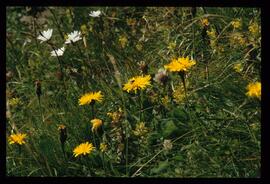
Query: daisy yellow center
point(83, 149)
point(17, 139)
point(90, 97)
point(137, 83)
point(254, 90)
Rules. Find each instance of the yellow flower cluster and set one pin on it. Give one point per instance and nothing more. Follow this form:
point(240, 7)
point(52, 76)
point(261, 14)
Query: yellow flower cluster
point(137, 83)
point(181, 64)
point(17, 139)
point(96, 123)
point(91, 97)
point(140, 129)
point(254, 90)
point(83, 149)
point(237, 24)
point(254, 28)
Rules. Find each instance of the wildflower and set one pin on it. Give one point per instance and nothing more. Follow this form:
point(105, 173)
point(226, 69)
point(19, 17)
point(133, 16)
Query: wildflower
point(179, 94)
point(83, 149)
point(254, 90)
point(58, 52)
point(236, 24)
point(14, 101)
point(143, 67)
point(45, 35)
point(131, 22)
point(180, 65)
point(167, 144)
point(123, 41)
point(103, 147)
point(238, 67)
point(205, 22)
point(115, 116)
point(73, 37)
point(137, 83)
point(140, 129)
point(90, 98)
point(96, 123)
point(95, 13)
point(161, 76)
point(254, 28)
point(17, 139)
point(237, 39)
point(165, 101)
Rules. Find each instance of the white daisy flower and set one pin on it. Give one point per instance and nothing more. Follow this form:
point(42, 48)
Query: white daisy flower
point(95, 13)
point(73, 37)
point(45, 35)
point(58, 52)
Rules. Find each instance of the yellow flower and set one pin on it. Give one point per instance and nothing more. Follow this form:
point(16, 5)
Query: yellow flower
point(205, 22)
point(115, 116)
point(180, 64)
point(96, 123)
point(238, 67)
point(236, 24)
point(17, 139)
point(103, 147)
point(179, 94)
point(254, 28)
point(140, 129)
point(137, 83)
point(84, 148)
point(90, 97)
point(254, 90)
point(123, 41)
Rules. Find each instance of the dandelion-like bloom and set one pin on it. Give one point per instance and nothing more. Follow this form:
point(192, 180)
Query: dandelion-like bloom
point(236, 24)
point(45, 35)
point(95, 13)
point(83, 149)
point(103, 147)
point(181, 64)
point(254, 90)
point(96, 123)
point(58, 52)
point(73, 37)
point(90, 98)
point(254, 28)
point(137, 83)
point(17, 139)
point(205, 22)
